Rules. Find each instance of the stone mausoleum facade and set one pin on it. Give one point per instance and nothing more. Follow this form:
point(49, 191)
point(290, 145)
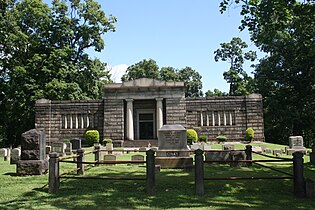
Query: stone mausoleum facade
point(133, 111)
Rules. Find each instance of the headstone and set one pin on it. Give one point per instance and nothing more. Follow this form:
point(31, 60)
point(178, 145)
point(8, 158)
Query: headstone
point(172, 147)
point(295, 145)
point(68, 149)
point(110, 158)
point(33, 158)
point(218, 156)
point(268, 151)
point(109, 147)
point(15, 155)
point(4, 153)
point(227, 146)
point(48, 150)
point(257, 149)
point(76, 144)
point(194, 146)
point(137, 157)
point(238, 155)
point(207, 147)
point(58, 147)
point(277, 152)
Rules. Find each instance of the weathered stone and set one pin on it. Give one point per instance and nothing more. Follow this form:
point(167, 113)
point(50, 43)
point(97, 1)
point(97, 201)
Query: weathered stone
point(15, 155)
point(32, 167)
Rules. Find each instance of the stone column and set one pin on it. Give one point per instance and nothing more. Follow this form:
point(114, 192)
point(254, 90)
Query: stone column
point(130, 132)
point(201, 118)
point(71, 121)
point(159, 114)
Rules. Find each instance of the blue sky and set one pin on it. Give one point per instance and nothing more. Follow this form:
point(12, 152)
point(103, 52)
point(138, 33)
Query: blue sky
point(176, 33)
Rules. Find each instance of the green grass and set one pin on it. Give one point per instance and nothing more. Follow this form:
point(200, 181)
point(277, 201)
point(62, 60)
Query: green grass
point(175, 189)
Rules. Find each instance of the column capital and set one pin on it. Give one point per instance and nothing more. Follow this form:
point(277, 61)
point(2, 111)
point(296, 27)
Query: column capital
point(129, 99)
point(159, 99)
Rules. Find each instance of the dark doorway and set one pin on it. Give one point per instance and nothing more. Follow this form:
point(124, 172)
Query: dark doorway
point(146, 125)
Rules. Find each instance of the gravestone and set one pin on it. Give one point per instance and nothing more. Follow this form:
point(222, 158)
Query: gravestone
point(33, 158)
point(68, 149)
point(110, 157)
point(228, 146)
point(218, 156)
point(295, 145)
point(137, 157)
point(194, 146)
point(172, 147)
point(257, 149)
point(277, 152)
point(76, 144)
point(238, 155)
point(4, 153)
point(15, 155)
point(58, 147)
point(207, 147)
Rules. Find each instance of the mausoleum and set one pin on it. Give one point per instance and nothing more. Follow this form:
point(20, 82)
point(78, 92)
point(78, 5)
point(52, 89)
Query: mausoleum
point(131, 113)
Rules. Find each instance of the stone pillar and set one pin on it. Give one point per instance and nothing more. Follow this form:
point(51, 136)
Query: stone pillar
point(201, 119)
point(53, 177)
point(231, 120)
point(224, 118)
point(130, 131)
point(207, 119)
point(298, 175)
point(199, 173)
point(159, 114)
point(213, 119)
point(150, 166)
point(71, 121)
point(76, 121)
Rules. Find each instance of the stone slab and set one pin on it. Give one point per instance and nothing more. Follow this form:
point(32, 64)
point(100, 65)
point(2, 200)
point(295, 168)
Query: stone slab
point(174, 162)
point(32, 167)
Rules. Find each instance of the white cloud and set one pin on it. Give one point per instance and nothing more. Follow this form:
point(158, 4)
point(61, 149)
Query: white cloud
point(117, 72)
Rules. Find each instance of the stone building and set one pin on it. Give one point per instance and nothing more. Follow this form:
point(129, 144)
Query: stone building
point(132, 112)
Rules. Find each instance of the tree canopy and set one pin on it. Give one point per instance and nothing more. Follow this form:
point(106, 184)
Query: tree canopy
point(236, 76)
point(43, 55)
point(148, 68)
point(284, 30)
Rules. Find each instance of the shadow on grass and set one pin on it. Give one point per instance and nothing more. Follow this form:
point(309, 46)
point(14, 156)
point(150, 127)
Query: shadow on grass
point(174, 189)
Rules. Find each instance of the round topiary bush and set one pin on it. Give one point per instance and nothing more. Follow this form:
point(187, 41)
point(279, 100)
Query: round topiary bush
point(92, 137)
point(249, 134)
point(203, 138)
point(221, 138)
point(192, 136)
point(105, 141)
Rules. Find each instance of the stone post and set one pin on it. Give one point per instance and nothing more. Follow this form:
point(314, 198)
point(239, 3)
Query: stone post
point(298, 175)
point(150, 165)
point(53, 177)
point(130, 132)
point(80, 159)
point(248, 152)
point(159, 113)
point(199, 172)
point(97, 154)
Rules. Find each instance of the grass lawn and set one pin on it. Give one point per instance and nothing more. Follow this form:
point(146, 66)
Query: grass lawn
point(175, 189)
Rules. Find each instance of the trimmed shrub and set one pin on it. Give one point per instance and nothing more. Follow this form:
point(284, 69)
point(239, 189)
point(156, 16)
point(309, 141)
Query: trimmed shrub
point(192, 136)
point(105, 141)
point(92, 137)
point(249, 134)
point(66, 141)
point(203, 138)
point(221, 138)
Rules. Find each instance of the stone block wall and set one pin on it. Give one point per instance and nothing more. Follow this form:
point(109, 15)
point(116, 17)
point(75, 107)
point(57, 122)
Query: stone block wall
point(176, 111)
point(229, 116)
point(68, 119)
point(113, 119)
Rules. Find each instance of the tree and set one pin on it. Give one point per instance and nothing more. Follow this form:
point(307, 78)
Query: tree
point(43, 55)
point(149, 69)
point(145, 68)
point(236, 75)
point(284, 29)
point(192, 81)
point(215, 92)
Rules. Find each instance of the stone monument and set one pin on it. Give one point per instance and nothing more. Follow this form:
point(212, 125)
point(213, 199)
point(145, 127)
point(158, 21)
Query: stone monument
point(33, 154)
point(295, 145)
point(172, 148)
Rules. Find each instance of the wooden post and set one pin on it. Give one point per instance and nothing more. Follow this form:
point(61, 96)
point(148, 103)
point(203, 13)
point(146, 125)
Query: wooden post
point(248, 152)
point(298, 175)
point(53, 176)
point(199, 172)
point(97, 154)
point(80, 159)
point(150, 165)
